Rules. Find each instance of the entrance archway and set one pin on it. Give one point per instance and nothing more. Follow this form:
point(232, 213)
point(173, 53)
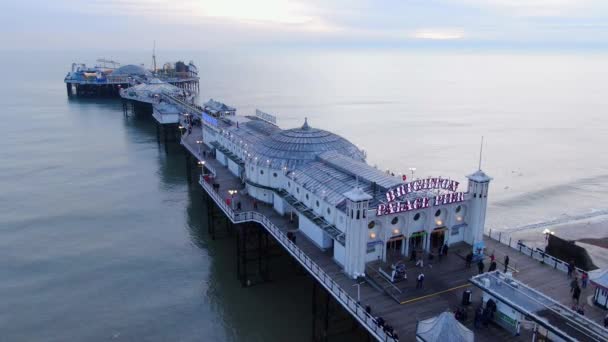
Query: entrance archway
point(394, 247)
point(437, 237)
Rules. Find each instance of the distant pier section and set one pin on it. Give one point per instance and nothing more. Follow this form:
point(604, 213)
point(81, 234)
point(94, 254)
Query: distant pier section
point(108, 78)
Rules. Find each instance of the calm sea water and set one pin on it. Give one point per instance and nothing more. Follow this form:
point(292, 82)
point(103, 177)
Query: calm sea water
point(101, 238)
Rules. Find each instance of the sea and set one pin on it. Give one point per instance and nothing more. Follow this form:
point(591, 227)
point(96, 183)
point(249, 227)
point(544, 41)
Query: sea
point(102, 237)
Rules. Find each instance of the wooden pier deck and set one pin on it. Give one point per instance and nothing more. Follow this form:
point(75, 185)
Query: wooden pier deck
point(444, 282)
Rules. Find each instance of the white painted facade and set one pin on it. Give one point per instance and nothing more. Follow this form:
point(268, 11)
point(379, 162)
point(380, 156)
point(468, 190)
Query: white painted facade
point(368, 237)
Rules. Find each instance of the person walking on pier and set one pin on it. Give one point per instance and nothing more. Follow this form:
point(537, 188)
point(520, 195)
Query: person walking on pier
point(492, 267)
point(584, 280)
point(468, 259)
point(480, 266)
point(420, 281)
point(573, 284)
point(570, 268)
point(506, 263)
point(576, 294)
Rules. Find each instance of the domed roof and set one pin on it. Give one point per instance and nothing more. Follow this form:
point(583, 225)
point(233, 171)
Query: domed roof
point(297, 146)
point(131, 69)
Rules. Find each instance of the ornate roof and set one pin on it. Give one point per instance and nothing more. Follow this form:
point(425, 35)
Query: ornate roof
point(479, 176)
point(293, 147)
point(132, 70)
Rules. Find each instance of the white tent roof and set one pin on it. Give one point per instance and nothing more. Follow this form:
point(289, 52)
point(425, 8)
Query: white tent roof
point(599, 277)
point(444, 328)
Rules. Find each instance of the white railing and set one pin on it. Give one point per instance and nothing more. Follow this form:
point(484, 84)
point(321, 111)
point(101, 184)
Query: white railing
point(342, 296)
point(534, 253)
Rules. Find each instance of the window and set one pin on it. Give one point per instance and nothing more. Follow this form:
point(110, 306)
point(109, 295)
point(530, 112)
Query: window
point(317, 204)
point(329, 213)
point(371, 225)
point(437, 213)
point(261, 172)
point(274, 175)
point(306, 196)
point(289, 184)
point(458, 208)
point(417, 217)
point(298, 190)
point(394, 220)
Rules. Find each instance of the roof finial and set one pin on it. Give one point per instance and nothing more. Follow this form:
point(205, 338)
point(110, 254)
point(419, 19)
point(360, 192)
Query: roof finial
point(480, 152)
point(305, 125)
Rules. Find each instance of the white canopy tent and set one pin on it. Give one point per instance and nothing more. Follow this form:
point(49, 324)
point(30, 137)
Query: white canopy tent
point(443, 328)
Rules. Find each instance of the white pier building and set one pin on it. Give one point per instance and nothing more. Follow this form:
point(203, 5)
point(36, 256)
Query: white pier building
point(341, 203)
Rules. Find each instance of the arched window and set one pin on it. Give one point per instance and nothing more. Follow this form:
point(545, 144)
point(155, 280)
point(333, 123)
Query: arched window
point(417, 217)
point(371, 225)
point(394, 220)
point(437, 213)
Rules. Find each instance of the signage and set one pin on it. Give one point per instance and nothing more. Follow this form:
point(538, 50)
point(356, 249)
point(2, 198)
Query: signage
point(266, 117)
point(210, 120)
point(395, 205)
point(456, 229)
point(421, 184)
point(418, 203)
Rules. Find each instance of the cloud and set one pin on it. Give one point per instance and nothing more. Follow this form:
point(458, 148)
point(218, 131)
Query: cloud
point(209, 24)
point(435, 34)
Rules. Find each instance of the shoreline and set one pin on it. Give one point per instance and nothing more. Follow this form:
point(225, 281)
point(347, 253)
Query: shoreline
point(589, 233)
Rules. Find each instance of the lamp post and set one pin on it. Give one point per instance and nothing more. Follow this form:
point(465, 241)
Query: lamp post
point(358, 285)
point(412, 170)
point(199, 142)
point(232, 193)
point(547, 232)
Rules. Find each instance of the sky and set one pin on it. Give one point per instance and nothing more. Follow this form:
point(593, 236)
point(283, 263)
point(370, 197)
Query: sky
point(246, 24)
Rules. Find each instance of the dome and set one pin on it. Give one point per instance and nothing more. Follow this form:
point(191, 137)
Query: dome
point(132, 70)
point(294, 147)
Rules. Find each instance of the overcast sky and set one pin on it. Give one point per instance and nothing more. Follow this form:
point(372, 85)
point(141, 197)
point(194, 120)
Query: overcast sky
point(226, 24)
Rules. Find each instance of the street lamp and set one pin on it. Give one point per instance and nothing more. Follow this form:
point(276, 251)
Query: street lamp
point(548, 232)
point(358, 285)
point(181, 129)
point(199, 142)
point(232, 193)
point(412, 170)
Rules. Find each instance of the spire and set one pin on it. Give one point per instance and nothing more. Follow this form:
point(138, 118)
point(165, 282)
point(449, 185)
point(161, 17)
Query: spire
point(305, 125)
point(480, 152)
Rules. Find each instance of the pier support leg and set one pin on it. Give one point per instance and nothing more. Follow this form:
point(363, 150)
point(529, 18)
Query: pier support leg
point(68, 87)
point(314, 310)
point(188, 169)
point(210, 224)
point(325, 334)
point(158, 133)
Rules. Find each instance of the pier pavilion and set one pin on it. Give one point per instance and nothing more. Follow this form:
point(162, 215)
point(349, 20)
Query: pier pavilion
point(340, 202)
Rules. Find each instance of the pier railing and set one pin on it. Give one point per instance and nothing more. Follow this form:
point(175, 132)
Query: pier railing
point(348, 302)
point(534, 253)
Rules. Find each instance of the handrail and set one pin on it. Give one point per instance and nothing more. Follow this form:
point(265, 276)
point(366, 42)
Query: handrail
point(343, 298)
point(534, 253)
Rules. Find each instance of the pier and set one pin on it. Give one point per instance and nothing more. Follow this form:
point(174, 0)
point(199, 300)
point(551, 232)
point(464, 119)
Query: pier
point(103, 80)
point(210, 134)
